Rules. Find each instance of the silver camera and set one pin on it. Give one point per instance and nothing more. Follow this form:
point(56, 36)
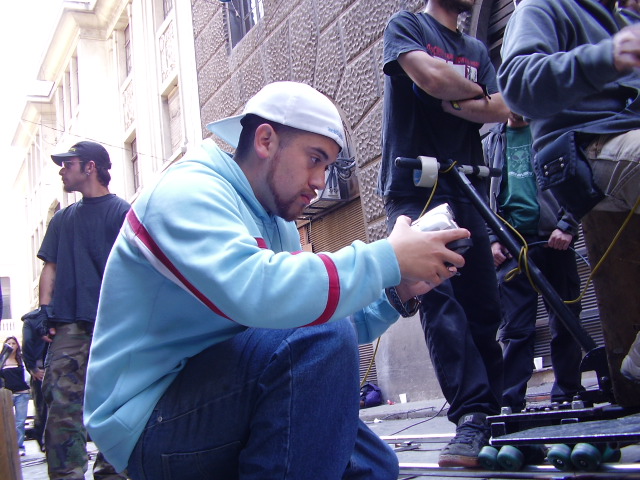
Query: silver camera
point(438, 218)
point(441, 218)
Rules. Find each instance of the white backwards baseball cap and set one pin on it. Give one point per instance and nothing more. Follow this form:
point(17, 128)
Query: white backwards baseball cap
point(292, 104)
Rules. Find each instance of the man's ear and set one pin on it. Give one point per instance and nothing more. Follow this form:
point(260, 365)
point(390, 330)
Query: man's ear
point(89, 167)
point(265, 141)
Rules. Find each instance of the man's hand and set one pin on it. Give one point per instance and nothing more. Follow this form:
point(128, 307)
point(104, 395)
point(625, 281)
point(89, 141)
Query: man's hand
point(560, 240)
point(49, 336)
point(37, 374)
point(500, 254)
point(626, 48)
point(422, 256)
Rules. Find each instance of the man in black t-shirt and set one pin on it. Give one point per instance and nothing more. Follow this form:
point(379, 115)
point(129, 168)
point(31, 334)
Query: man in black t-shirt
point(440, 87)
point(75, 250)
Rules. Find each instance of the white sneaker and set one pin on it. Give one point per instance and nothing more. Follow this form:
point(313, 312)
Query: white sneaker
point(631, 363)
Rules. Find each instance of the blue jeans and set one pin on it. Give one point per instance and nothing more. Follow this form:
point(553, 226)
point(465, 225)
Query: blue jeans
point(460, 317)
point(517, 333)
point(21, 405)
point(265, 404)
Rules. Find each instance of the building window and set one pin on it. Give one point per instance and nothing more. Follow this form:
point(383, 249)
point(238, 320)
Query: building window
point(34, 260)
point(167, 5)
point(60, 117)
point(36, 242)
point(127, 49)
point(69, 94)
point(135, 166)
point(34, 162)
point(172, 121)
point(5, 299)
point(243, 15)
point(75, 84)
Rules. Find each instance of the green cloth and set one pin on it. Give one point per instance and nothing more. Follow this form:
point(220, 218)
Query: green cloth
point(518, 195)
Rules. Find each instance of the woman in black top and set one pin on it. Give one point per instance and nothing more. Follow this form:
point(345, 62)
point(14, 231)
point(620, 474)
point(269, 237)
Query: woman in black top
point(13, 375)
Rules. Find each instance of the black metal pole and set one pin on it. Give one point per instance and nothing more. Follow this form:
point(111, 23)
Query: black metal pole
point(570, 321)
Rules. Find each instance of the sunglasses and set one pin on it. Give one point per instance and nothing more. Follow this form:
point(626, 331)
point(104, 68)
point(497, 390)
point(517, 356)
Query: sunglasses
point(69, 163)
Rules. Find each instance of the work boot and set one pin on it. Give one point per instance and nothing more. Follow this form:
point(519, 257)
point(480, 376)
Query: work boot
point(472, 434)
point(631, 363)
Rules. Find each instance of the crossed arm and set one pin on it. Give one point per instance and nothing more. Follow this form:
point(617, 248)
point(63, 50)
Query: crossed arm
point(441, 81)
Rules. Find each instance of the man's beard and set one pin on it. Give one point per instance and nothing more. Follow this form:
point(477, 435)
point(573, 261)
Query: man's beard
point(284, 207)
point(459, 6)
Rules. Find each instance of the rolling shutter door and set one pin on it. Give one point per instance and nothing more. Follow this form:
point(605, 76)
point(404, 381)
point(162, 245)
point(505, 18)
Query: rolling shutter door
point(590, 316)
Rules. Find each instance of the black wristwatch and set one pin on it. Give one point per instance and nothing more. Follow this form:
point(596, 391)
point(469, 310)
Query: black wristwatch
point(406, 309)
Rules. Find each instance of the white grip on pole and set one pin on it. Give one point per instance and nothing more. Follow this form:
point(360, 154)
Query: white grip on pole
point(426, 177)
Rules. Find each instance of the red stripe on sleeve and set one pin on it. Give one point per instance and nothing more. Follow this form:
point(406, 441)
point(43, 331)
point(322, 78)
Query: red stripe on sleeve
point(333, 291)
point(144, 236)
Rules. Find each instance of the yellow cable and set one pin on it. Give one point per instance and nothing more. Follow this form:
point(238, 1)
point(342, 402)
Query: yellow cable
point(607, 251)
point(373, 357)
point(433, 190)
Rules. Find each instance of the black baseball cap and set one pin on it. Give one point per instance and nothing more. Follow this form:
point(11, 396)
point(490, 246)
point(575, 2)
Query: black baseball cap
point(86, 151)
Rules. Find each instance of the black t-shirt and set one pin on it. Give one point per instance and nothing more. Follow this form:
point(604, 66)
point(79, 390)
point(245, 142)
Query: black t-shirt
point(414, 123)
point(78, 240)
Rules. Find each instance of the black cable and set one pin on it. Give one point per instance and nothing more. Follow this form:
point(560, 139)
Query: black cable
point(578, 254)
point(422, 421)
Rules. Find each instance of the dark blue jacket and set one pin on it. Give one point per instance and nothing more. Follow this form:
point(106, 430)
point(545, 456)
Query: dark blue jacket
point(552, 216)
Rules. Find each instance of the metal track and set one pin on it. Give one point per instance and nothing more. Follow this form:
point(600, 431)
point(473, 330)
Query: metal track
point(608, 471)
point(420, 438)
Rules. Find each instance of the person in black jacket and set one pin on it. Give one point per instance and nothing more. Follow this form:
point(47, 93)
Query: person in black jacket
point(549, 232)
point(572, 68)
point(34, 352)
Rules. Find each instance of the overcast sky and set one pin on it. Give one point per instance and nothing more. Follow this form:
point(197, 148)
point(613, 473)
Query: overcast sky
point(25, 27)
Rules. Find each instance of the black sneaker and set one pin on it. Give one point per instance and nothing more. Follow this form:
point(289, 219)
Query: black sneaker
point(472, 434)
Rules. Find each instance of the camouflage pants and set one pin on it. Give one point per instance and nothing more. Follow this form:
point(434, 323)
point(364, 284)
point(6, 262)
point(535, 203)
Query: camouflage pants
point(63, 391)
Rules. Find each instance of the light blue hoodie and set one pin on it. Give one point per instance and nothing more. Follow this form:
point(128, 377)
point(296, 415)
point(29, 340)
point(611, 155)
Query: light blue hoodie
point(197, 261)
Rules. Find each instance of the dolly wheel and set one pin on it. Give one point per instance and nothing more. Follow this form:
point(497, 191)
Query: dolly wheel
point(488, 457)
point(510, 458)
point(586, 457)
point(560, 457)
